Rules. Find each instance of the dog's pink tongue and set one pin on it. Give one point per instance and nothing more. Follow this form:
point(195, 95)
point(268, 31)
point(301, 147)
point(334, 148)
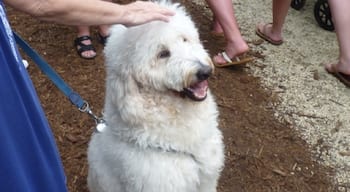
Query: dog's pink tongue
point(200, 89)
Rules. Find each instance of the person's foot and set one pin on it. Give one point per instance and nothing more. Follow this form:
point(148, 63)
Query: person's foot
point(236, 60)
point(102, 38)
point(337, 67)
point(340, 71)
point(103, 35)
point(265, 32)
point(84, 47)
point(232, 50)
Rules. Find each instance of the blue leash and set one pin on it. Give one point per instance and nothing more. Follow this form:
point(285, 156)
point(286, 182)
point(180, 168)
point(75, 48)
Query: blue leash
point(74, 97)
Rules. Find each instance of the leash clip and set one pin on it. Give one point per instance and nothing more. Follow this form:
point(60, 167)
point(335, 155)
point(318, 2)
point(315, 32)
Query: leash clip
point(100, 122)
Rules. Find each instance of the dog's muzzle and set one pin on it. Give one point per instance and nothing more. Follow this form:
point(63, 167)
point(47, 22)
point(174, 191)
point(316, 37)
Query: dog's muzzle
point(198, 90)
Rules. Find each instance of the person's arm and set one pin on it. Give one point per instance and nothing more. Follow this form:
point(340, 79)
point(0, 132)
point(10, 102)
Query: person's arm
point(91, 12)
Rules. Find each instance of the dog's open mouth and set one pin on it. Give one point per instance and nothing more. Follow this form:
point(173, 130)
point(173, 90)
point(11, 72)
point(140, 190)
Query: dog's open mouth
point(197, 91)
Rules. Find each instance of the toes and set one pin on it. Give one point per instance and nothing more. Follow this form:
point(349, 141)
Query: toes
point(219, 59)
point(88, 54)
point(262, 28)
point(330, 67)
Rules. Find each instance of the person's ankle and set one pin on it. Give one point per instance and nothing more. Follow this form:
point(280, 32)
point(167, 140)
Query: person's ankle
point(343, 65)
point(272, 32)
point(236, 50)
point(216, 28)
point(83, 34)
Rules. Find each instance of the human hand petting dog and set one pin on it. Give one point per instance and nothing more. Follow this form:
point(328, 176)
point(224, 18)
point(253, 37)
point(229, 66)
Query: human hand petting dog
point(92, 12)
point(141, 12)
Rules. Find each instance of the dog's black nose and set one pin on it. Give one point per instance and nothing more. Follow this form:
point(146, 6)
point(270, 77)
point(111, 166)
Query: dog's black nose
point(204, 72)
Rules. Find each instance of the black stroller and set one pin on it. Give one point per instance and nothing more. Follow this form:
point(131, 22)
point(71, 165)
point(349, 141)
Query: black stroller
point(322, 12)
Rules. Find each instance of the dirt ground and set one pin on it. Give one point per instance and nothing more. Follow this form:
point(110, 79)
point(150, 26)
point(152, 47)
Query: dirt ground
point(262, 154)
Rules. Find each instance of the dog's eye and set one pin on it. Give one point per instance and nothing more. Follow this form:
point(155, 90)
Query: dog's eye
point(184, 39)
point(164, 54)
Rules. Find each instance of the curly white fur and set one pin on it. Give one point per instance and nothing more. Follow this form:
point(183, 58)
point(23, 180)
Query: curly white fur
point(157, 139)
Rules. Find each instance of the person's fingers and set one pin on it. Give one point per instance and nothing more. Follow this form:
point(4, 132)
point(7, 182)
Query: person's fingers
point(146, 17)
point(161, 17)
point(144, 12)
point(167, 12)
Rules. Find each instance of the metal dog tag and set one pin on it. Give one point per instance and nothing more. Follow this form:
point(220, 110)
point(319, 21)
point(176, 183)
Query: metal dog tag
point(100, 126)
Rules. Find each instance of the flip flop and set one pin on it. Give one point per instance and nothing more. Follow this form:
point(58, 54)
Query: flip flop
point(344, 78)
point(262, 35)
point(237, 60)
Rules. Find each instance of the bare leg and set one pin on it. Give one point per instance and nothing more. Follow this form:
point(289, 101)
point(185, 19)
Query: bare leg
point(341, 19)
point(85, 31)
point(103, 29)
point(103, 33)
point(217, 29)
point(279, 12)
point(224, 15)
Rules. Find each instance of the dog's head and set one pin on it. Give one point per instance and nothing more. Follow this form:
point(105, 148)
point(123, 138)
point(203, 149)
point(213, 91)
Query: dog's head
point(161, 56)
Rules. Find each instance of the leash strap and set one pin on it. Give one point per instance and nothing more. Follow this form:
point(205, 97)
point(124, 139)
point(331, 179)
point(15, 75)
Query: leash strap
point(74, 97)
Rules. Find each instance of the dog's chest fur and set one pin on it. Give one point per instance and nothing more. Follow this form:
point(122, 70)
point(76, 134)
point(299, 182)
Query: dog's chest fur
point(173, 155)
point(144, 167)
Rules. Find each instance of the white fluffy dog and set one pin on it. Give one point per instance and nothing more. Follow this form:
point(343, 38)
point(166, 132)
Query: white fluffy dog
point(161, 133)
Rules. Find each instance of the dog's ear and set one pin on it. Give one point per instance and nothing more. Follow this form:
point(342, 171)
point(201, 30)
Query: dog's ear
point(121, 87)
point(123, 94)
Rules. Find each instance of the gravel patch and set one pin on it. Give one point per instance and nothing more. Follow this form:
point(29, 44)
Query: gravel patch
point(316, 103)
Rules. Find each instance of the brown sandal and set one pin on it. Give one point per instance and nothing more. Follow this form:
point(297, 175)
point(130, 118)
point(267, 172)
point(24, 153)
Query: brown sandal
point(237, 60)
point(344, 78)
point(262, 35)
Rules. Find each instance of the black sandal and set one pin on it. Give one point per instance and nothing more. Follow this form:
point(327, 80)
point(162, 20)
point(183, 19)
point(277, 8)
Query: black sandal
point(102, 39)
point(83, 47)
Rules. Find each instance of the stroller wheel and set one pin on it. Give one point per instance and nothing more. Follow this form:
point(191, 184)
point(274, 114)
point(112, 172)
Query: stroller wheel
point(323, 15)
point(297, 4)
